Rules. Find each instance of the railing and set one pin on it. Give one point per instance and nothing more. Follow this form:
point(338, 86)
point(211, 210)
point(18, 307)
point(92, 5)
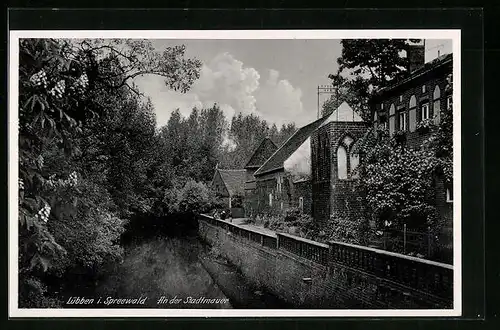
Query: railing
point(424, 275)
point(304, 248)
point(251, 235)
point(428, 276)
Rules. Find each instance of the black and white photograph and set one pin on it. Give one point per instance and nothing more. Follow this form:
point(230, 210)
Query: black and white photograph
point(234, 173)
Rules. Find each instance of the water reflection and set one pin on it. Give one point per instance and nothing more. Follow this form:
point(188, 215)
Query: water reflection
point(168, 272)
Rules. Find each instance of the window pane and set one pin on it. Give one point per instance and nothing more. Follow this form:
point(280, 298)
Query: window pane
point(413, 119)
point(391, 125)
point(413, 101)
point(402, 121)
point(437, 93)
point(437, 112)
point(342, 163)
point(424, 114)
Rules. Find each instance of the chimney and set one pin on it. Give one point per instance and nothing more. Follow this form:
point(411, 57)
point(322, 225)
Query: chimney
point(416, 56)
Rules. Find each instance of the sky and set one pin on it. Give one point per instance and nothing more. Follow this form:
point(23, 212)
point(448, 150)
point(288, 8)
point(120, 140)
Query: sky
point(275, 79)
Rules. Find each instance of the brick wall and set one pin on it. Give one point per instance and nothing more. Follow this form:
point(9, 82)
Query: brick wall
point(250, 200)
point(283, 199)
point(400, 98)
point(344, 198)
point(331, 194)
point(308, 284)
point(302, 189)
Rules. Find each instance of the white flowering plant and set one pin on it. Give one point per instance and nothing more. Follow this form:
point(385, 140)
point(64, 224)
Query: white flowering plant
point(424, 125)
point(398, 183)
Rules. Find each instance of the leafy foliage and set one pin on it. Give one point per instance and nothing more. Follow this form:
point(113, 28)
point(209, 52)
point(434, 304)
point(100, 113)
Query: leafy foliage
point(366, 65)
point(399, 183)
point(86, 147)
point(246, 133)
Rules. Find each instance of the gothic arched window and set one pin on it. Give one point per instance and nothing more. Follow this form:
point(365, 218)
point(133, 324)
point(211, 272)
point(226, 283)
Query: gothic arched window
point(392, 119)
point(413, 113)
point(347, 160)
point(436, 107)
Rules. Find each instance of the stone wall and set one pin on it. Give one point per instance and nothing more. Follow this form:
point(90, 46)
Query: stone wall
point(308, 274)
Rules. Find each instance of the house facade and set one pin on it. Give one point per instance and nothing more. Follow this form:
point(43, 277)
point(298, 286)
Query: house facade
point(421, 97)
point(265, 150)
point(284, 180)
point(405, 105)
point(229, 186)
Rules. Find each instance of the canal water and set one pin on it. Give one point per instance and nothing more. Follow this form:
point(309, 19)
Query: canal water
point(172, 272)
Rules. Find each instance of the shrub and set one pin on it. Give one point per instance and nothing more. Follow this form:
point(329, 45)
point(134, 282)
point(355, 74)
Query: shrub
point(193, 198)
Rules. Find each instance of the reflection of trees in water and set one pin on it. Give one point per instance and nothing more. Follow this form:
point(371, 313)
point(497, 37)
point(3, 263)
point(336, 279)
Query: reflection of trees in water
point(162, 267)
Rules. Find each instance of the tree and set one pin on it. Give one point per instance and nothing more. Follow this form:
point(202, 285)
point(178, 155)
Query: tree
point(83, 129)
point(247, 132)
point(399, 183)
point(366, 65)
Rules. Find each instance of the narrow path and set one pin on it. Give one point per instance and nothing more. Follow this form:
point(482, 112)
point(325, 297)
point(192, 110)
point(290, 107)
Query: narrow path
point(242, 222)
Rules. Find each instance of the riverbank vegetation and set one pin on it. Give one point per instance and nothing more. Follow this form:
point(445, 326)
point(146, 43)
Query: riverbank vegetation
point(95, 167)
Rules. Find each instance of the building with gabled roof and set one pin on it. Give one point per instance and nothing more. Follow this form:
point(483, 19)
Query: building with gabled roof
point(286, 179)
point(229, 185)
point(262, 153)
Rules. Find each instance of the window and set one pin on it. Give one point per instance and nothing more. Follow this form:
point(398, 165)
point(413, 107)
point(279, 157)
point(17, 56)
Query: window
point(423, 88)
point(424, 111)
point(400, 98)
point(342, 163)
point(392, 114)
point(436, 106)
point(347, 160)
point(381, 106)
point(449, 102)
point(413, 113)
point(449, 194)
point(281, 205)
point(402, 121)
point(279, 180)
point(270, 199)
point(301, 204)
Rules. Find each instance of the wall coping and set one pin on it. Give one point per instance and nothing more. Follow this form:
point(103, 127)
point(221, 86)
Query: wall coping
point(238, 226)
point(393, 254)
point(360, 247)
point(297, 238)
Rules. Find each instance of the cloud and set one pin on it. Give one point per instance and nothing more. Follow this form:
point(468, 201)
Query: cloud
point(279, 102)
point(235, 88)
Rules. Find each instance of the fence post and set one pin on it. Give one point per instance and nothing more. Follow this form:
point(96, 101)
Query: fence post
point(404, 238)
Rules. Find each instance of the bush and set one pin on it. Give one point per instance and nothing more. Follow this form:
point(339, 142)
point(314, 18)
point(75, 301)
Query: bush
point(193, 198)
point(345, 230)
point(89, 231)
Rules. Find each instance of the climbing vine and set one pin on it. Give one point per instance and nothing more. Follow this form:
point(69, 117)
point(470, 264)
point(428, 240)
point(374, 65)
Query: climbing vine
point(398, 182)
